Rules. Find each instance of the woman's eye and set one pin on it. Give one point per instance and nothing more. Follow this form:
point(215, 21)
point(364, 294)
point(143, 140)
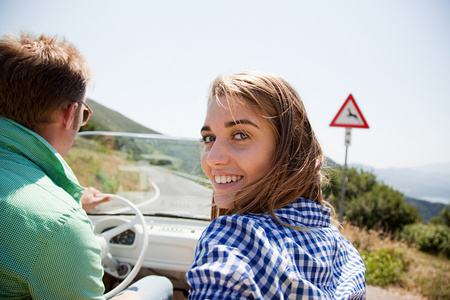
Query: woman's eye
point(208, 139)
point(241, 136)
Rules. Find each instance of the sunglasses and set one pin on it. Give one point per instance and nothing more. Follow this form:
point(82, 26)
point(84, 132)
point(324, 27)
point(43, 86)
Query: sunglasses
point(87, 113)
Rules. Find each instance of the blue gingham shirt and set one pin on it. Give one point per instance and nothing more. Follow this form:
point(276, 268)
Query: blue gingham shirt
point(254, 257)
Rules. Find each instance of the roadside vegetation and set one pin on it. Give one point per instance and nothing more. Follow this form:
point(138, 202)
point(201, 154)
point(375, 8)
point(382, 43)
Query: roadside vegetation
point(96, 165)
point(397, 248)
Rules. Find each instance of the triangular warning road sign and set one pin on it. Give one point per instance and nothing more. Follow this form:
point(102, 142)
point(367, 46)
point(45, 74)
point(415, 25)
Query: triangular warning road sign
point(349, 115)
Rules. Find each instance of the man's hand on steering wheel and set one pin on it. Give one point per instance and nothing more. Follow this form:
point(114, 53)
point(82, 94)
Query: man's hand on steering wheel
point(89, 199)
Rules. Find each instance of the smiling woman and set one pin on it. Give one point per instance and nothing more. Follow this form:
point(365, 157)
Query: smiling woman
point(271, 236)
point(239, 146)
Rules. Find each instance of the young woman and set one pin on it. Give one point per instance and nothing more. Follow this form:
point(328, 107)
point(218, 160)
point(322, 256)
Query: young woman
point(270, 235)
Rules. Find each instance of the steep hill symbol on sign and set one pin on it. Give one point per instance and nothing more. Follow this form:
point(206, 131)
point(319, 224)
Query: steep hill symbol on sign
point(349, 115)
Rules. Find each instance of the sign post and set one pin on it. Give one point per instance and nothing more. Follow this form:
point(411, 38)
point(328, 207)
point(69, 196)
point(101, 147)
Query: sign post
point(349, 116)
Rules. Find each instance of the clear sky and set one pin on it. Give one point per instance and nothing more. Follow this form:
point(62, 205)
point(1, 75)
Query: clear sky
point(154, 61)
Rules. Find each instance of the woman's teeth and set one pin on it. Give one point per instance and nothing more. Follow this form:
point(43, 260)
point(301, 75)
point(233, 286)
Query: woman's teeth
point(226, 179)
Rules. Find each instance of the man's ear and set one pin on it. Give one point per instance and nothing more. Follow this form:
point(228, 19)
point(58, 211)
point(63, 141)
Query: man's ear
point(69, 115)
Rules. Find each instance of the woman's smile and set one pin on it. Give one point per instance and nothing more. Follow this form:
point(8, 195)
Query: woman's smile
point(226, 179)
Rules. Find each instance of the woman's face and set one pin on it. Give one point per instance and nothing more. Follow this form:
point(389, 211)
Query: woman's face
point(239, 148)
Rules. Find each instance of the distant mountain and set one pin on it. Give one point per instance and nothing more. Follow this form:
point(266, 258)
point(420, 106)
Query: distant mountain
point(427, 210)
point(105, 119)
point(426, 187)
point(429, 182)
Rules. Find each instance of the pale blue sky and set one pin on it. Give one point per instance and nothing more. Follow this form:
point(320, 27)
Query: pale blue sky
point(153, 61)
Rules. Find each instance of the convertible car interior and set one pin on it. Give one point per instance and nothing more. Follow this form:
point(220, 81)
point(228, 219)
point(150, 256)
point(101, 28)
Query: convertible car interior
point(161, 203)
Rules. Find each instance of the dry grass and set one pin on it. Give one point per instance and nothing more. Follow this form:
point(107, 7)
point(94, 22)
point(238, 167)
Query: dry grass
point(102, 170)
point(421, 273)
point(369, 240)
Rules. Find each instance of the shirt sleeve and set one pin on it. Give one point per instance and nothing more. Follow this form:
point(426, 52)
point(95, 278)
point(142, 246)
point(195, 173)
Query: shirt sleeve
point(69, 267)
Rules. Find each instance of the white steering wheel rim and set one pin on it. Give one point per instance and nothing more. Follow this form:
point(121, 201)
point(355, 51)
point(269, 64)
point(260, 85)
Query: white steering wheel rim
point(126, 281)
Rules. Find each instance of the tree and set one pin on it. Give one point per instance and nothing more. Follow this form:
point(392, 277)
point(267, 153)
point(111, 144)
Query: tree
point(445, 215)
point(382, 207)
point(369, 203)
point(358, 182)
point(443, 218)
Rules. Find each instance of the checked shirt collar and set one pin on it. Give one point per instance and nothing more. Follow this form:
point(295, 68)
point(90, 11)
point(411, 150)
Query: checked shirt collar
point(305, 213)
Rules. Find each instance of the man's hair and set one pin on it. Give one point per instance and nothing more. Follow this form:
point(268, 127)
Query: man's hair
point(38, 76)
point(297, 164)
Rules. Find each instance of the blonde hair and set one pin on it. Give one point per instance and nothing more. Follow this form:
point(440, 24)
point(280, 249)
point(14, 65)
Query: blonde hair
point(297, 164)
point(38, 76)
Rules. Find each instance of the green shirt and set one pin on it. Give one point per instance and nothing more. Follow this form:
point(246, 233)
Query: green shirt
point(47, 246)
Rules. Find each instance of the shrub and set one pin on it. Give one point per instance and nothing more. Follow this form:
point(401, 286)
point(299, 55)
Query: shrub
point(429, 238)
point(423, 273)
point(384, 266)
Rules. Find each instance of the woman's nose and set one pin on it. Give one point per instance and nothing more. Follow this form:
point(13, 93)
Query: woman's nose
point(217, 154)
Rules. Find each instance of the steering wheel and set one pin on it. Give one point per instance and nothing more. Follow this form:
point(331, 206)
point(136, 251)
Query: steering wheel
point(111, 265)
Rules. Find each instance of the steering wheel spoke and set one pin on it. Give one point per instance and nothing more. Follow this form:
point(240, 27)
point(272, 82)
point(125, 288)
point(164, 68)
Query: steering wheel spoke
point(110, 233)
point(113, 266)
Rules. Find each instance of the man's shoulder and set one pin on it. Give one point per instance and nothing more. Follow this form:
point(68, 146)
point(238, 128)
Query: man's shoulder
point(33, 207)
point(38, 209)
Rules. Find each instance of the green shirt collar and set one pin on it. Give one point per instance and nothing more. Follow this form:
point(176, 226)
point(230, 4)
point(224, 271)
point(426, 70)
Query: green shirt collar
point(32, 146)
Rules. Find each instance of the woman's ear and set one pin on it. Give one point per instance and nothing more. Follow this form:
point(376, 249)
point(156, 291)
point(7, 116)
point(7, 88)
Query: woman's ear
point(69, 115)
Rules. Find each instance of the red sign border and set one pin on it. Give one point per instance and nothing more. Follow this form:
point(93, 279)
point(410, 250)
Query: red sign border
point(364, 125)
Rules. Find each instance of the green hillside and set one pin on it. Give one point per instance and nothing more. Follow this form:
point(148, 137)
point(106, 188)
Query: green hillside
point(105, 119)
